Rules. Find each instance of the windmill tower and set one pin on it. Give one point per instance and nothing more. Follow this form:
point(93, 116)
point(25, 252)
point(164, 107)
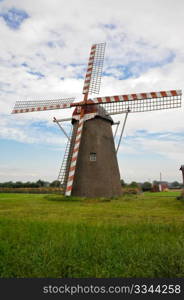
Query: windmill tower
point(90, 165)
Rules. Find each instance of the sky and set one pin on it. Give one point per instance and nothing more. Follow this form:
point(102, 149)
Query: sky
point(43, 55)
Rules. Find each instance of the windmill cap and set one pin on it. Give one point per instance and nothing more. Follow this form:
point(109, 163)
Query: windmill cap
point(97, 109)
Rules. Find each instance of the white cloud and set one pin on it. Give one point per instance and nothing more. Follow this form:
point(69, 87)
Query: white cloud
point(27, 173)
point(24, 131)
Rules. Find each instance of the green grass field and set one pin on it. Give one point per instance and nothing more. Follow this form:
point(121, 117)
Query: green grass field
point(51, 236)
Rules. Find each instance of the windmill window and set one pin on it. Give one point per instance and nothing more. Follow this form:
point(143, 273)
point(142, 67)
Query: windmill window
point(92, 156)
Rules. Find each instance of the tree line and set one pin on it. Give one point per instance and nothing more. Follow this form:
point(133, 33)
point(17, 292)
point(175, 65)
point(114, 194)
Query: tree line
point(145, 186)
point(28, 184)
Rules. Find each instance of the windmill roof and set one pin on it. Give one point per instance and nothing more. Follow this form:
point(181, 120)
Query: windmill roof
point(102, 112)
point(98, 109)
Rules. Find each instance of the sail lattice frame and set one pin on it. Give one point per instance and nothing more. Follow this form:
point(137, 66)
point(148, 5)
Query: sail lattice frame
point(94, 70)
point(40, 105)
point(142, 105)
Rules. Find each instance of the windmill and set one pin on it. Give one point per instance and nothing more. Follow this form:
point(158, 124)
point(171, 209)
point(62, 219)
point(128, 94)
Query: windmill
point(89, 166)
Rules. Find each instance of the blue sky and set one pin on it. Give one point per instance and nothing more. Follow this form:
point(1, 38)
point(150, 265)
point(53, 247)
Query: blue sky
point(44, 54)
point(14, 17)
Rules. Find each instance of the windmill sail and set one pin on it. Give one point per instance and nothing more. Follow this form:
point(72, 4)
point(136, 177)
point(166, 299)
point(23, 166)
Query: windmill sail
point(31, 106)
point(73, 161)
point(140, 102)
point(94, 69)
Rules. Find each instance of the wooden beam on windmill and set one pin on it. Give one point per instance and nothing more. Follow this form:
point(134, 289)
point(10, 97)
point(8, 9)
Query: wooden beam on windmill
point(61, 127)
point(90, 166)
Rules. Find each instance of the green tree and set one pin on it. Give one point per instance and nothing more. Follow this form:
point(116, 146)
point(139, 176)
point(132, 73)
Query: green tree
point(18, 184)
point(40, 183)
point(122, 182)
point(7, 184)
point(146, 186)
point(175, 184)
point(55, 183)
point(134, 184)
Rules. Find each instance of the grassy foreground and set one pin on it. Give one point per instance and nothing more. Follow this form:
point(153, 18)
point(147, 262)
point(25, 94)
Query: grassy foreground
point(51, 236)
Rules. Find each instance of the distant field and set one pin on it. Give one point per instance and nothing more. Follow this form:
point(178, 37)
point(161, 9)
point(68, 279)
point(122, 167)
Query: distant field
point(51, 236)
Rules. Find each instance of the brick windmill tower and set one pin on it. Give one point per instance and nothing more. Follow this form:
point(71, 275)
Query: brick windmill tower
point(90, 165)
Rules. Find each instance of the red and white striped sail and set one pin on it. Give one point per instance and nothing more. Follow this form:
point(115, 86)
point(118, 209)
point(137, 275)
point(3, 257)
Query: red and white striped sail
point(74, 157)
point(139, 96)
point(89, 69)
point(94, 69)
point(41, 105)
